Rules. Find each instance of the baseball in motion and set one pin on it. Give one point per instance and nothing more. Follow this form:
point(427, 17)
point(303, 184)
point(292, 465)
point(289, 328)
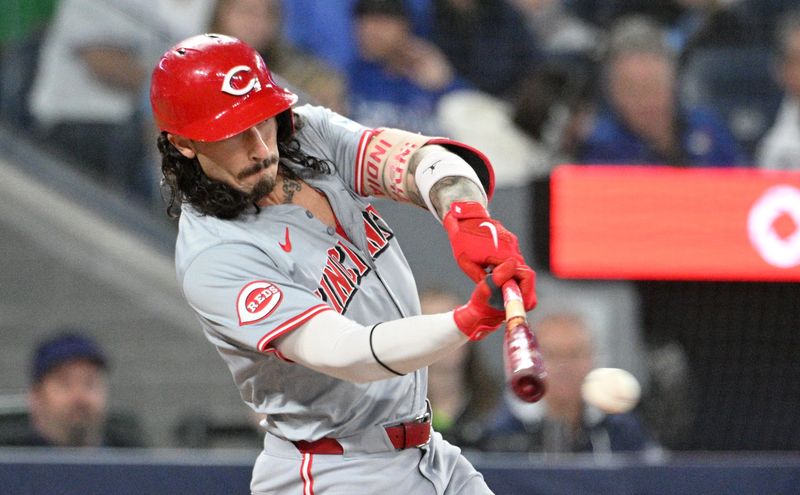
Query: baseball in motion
point(612, 390)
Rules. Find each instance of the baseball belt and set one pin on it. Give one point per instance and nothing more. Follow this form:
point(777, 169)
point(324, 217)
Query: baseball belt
point(411, 434)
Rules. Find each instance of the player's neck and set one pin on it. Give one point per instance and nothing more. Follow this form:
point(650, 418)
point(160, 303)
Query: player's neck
point(293, 190)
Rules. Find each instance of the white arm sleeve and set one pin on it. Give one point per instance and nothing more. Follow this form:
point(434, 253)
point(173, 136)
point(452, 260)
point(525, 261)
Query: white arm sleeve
point(337, 346)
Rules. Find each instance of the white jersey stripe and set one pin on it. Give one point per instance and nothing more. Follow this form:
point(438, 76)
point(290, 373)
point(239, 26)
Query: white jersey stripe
point(305, 473)
point(291, 324)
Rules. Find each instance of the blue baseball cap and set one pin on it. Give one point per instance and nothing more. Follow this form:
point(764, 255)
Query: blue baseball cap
point(63, 347)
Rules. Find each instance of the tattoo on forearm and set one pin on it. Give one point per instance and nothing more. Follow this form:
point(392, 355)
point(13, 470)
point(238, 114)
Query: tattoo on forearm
point(413, 194)
point(290, 186)
point(450, 189)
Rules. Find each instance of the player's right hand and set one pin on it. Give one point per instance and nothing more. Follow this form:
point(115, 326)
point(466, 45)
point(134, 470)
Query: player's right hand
point(484, 311)
point(478, 241)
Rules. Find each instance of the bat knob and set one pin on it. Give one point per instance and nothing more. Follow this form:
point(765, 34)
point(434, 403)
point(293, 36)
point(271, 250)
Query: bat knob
point(528, 388)
point(524, 367)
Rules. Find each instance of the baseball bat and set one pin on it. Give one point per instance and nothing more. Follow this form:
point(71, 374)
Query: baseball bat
point(524, 367)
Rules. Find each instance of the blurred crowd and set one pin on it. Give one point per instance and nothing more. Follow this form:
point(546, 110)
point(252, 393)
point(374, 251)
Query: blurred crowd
point(532, 83)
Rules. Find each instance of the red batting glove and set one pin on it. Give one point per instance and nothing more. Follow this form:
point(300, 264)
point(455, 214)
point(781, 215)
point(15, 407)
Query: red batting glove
point(478, 241)
point(526, 279)
point(484, 311)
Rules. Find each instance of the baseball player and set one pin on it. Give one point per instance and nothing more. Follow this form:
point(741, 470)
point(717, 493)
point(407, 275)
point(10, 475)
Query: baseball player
point(301, 285)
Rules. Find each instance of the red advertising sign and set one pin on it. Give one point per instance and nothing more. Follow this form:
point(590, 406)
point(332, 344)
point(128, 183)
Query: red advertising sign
point(666, 223)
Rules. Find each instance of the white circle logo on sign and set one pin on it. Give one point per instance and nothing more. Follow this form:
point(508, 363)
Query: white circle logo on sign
point(774, 226)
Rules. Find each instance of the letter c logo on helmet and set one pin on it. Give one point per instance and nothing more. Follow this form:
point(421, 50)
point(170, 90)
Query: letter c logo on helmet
point(227, 86)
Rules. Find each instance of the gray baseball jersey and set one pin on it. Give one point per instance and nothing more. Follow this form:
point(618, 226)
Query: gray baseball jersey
point(253, 279)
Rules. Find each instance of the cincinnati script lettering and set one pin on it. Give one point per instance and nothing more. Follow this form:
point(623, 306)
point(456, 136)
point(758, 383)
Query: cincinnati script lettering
point(341, 275)
point(344, 268)
point(378, 232)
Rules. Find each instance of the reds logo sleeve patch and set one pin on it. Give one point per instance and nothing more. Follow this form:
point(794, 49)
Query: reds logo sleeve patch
point(256, 301)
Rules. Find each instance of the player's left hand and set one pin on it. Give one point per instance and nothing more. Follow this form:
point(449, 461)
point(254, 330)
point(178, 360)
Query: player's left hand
point(484, 312)
point(478, 241)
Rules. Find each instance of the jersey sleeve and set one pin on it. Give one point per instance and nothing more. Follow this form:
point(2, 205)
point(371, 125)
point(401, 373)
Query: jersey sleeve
point(359, 163)
point(241, 294)
point(339, 140)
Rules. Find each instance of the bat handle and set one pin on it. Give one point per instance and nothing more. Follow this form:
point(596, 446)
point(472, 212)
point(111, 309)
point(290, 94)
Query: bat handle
point(524, 366)
point(512, 299)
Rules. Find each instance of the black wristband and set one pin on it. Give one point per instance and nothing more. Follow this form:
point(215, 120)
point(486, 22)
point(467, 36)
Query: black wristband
point(376, 356)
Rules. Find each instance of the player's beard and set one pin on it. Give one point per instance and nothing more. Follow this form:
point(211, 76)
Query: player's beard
point(266, 185)
point(222, 200)
point(230, 202)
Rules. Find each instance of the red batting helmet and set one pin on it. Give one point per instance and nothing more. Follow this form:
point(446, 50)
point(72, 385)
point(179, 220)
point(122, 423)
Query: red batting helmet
point(211, 87)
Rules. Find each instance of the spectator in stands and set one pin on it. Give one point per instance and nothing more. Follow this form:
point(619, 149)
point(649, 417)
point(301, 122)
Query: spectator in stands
point(605, 13)
point(94, 65)
point(524, 135)
point(642, 122)
point(68, 397)
point(780, 147)
point(21, 31)
point(398, 78)
point(259, 23)
point(688, 21)
point(561, 422)
point(461, 393)
point(557, 31)
point(726, 64)
point(707, 23)
point(554, 105)
point(764, 15)
point(325, 29)
point(487, 41)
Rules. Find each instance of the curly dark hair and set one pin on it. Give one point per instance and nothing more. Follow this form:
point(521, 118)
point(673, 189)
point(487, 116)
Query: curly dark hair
point(187, 183)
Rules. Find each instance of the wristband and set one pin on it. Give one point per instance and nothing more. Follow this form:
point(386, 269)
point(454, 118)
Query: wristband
point(436, 165)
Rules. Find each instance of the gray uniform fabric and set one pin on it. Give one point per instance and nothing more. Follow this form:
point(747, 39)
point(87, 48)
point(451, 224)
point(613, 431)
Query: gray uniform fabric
point(253, 279)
